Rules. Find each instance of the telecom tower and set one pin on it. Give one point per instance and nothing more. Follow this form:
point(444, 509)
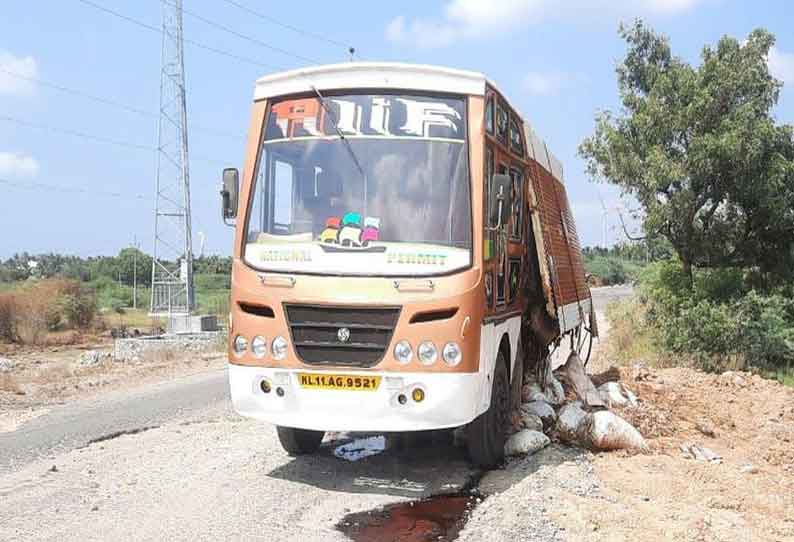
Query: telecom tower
point(172, 267)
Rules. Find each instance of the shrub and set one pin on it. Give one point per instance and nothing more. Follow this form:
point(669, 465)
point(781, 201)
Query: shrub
point(7, 311)
point(78, 309)
point(717, 318)
point(28, 313)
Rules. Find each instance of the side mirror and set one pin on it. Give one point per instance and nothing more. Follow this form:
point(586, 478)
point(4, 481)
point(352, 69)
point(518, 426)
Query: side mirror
point(501, 199)
point(230, 194)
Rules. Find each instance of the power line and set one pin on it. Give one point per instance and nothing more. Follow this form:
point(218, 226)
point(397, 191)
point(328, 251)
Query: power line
point(186, 40)
point(240, 35)
point(287, 25)
point(79, 93)
point(76, 133)
point(92, 137)
point(71, 189)
point(108, 101)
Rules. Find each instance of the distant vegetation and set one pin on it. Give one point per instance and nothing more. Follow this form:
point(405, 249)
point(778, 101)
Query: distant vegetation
point(622, 263)
point(46, 293)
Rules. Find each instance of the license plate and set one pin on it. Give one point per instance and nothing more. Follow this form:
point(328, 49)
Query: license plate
point(325, 381)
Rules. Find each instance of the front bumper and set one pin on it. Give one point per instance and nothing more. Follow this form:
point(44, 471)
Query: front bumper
point(450, 400)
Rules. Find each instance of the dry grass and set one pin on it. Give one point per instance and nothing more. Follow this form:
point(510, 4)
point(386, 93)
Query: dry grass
point(29, 312)
point(52, 374)
point(632, 340)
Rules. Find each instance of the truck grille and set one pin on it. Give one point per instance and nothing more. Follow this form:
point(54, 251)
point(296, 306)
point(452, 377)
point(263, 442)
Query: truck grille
point(318, 340)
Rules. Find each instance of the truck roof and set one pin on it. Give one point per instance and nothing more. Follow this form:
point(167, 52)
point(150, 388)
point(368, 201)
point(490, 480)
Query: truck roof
point(395, 75)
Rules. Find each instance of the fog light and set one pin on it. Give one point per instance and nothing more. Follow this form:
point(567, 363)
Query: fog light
point(418, 395)
point(240, 345)
point(264, 386)
point(427, 353)
point(279, 348)
point(259, 346)
point(403, 352)
point(451, 354)
point(402, 399)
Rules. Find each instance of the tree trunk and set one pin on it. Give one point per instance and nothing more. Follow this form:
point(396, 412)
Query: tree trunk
point(687, 266)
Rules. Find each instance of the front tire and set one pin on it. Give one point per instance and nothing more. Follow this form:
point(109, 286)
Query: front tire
point(485, 436)
point(299, 441)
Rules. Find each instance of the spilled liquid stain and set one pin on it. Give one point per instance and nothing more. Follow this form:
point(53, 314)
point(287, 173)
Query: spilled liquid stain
point(438, 518)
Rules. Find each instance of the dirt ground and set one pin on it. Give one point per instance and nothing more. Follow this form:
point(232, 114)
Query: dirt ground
point(53, 375)
point(664, 495)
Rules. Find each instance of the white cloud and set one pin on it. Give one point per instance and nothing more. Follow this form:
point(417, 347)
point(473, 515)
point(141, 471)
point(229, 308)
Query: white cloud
point(781, 65)
point(18, 165)
point(465, 19)
point(22, 66)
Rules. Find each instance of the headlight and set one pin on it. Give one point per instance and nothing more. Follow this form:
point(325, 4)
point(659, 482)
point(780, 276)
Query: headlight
point(240, 345)
point(259, 346)
point(279, 348)
point(427, 353)
point(403, 352)
point(452, 354)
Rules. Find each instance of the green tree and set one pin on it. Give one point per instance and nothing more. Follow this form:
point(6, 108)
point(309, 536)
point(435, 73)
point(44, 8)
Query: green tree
point(131, 260)
point(698, 148)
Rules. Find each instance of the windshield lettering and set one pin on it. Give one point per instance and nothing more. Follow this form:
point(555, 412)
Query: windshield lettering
point(362, 184)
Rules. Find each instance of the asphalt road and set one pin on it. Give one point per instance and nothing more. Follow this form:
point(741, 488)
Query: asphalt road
point(80, 423)
point(174, 462)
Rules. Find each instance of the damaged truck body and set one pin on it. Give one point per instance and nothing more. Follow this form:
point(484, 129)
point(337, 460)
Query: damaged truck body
point(404, 253)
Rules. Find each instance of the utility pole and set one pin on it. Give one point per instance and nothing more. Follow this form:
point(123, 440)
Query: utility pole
point(172, 264)
point(135, 272)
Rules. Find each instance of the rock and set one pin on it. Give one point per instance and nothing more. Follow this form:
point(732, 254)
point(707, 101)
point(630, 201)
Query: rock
point(640, 371)
point(526, 441)
point(569, 422)
point(529, 420)
point(607, 431)
point(749, 469)
point(542, 410)
point(91, 358)
point(730, 378)
point(706, 427)
point(700, 453)
point(6, 365)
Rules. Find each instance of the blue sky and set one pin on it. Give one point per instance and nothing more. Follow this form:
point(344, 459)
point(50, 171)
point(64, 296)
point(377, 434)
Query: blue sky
point(555, 63)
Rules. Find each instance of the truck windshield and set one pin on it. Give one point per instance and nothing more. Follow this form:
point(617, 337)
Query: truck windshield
point(362, 184)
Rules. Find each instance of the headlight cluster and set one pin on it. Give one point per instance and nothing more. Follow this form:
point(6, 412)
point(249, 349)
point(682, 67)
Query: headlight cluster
point(278, 348)
point(427, 353)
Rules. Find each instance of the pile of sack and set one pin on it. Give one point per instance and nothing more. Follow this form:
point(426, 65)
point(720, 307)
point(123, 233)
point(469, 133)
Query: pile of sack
point(568, 407)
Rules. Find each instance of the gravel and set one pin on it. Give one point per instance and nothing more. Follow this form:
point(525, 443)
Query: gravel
point(6, 365)
point(522, 496)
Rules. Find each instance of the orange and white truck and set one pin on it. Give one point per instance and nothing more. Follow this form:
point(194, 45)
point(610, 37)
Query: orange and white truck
point(404, 253)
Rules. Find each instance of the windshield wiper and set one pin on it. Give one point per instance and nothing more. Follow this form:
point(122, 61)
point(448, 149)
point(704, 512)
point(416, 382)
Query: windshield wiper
point(339, 132)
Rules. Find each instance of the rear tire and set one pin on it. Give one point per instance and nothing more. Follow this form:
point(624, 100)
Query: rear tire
point(299, 441)
point(485, 436)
